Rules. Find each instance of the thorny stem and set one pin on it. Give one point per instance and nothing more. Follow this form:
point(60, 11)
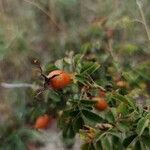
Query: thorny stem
point(38, 65)
point(143, 19)
point(45, 78)
point(40, 91)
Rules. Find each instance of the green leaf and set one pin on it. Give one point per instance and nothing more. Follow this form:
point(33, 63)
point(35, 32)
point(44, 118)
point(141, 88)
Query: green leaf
point(85, 47)
point(125, 100)
point(98, 145)
point(89, 67)
point(74, 113)
point(77, 62)
point(147, 116)
point(81, 79)
point(114, 133)
point(73, 101)
point(143, 75)
point(19, 144)
point(138, 145)
point(87, 102)
point(88, 107)
point(85, 146)
point(127, 141)
point(106, 143)
point(117, 141)
point(78, 124)
point(90, 117)
point(28, 134)
point(129, 49)
point(123, 126)
point(145, 140)
point(91, 146)
point(123, 108)
point(114, 112)
point(68, 132)
point(141, 125)
point(77, 58)
point(54, 96)
point(36, 112)
point(95, 32)
point(70, 113)
point(59, 63)
point(49, 67)
point(123, 91)
point(14, 140)
point(131, 77)
point(109, 116)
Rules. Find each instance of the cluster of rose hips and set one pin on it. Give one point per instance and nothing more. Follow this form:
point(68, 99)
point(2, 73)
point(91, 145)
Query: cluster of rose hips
point(59, 79)
point(56, 80)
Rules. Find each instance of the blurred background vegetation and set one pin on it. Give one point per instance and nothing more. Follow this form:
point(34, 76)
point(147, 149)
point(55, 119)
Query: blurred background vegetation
point(48, 29)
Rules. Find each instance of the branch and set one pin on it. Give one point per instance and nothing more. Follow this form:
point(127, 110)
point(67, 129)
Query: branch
point(143, 19)
point(46, 13)
point(18, 85)
point(110, 49)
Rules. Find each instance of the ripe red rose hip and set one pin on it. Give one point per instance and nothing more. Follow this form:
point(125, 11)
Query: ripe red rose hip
point(43, 122)
point(59, 79)
point(101, 103)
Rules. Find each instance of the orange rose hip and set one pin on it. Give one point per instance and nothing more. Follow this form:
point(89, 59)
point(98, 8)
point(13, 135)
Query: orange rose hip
point(101, 103)
point(42, 122)
point(59, 79)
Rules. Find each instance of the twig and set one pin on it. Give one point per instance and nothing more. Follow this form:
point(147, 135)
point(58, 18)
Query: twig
point(143, 19)
point(114, 57)
point(95, 84)
point(18, 85)
point(37, 6)
point(110, 49)
point(41, 91)
point(139, 21)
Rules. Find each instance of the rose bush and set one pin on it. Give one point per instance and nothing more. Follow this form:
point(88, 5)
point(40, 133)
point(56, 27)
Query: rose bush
point(125, 122)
